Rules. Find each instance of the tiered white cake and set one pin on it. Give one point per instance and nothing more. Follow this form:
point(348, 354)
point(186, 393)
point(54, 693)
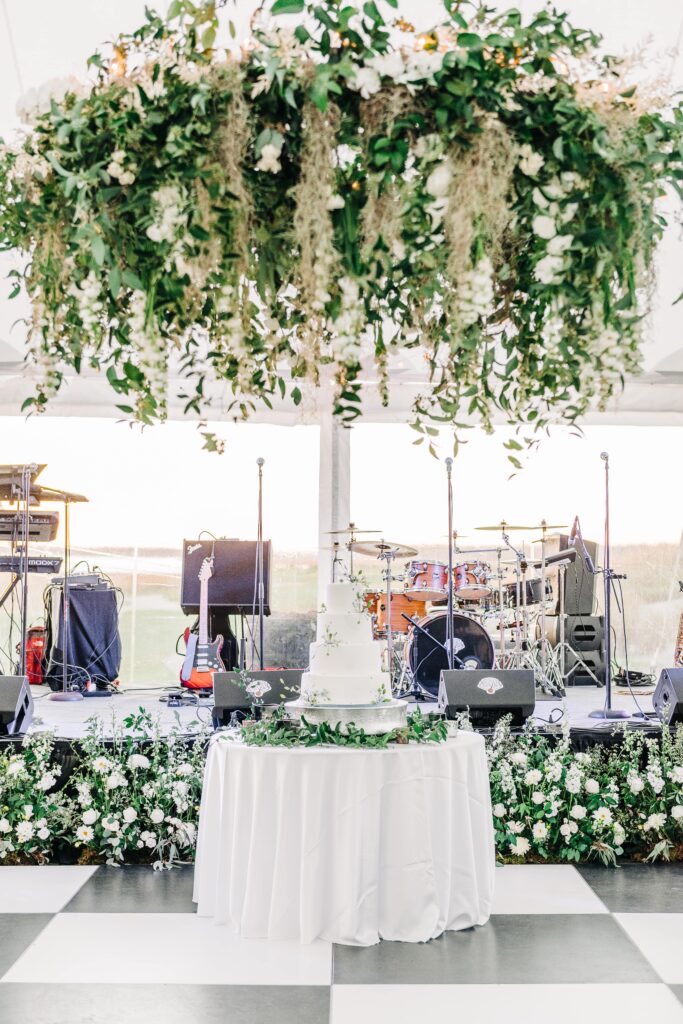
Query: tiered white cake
point(346, 663)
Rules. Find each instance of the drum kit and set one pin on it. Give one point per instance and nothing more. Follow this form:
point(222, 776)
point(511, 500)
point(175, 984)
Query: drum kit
point(499, 599)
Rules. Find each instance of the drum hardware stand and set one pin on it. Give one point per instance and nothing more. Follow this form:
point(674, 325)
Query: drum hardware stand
point(609, 576)
point(449, 620)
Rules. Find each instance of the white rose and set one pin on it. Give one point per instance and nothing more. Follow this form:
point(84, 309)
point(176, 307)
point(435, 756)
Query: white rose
point(592, 786)
point(157, 815)
point(90, 816)
point(530, 162)
point(532, 777)
point(538, 797)
point(111, 824)
point(43, 833)
point(543, 226)
point(390, 65)
point(366, 81)
point(5, 825)
point(676, 812)
point(559, 244)
point(129, 814)
point(578, 812)
point(499, 810)
point(540, 830)
point(438, 182)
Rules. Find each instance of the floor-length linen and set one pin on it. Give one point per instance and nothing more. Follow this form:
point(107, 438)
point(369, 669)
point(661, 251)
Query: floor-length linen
point(346, 845)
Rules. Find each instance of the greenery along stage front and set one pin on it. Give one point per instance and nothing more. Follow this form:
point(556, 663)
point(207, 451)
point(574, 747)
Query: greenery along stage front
point(345, 189)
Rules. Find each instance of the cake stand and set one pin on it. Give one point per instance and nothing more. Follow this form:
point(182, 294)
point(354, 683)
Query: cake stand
point(374, 719)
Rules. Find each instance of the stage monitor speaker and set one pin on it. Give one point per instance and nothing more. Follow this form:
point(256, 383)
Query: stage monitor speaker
point(16, 705)
point(585, 632)
point(230, 694)
point(594, 660)
point(667, 700)
point(488, 694)
point(579, 583)
point(232, 585)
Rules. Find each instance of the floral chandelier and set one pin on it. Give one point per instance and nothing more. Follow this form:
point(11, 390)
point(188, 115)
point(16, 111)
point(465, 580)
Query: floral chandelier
point(486, 193)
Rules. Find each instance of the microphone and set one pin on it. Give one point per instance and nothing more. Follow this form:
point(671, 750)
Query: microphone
point(572, 535)
point(260, 462)
point(604, 456)
point(449, 463)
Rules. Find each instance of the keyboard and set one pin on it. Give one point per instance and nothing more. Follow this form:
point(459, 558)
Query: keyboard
point(14, 564)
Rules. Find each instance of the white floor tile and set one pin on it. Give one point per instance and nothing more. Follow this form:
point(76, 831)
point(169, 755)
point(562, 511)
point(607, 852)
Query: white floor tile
point(39, 890)
point(165, 948)
point(504, 1004)
point(543, 889)
point(659, 937)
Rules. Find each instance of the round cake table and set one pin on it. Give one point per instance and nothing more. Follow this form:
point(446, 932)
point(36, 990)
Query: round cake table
point(346, 845)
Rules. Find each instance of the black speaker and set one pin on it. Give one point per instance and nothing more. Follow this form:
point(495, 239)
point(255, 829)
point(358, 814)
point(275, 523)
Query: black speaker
point(579, 583)
point(594, 660)
point(232, 585)
point(230, 693)
point(488, 694)
point(667, 700)
point(16, 705)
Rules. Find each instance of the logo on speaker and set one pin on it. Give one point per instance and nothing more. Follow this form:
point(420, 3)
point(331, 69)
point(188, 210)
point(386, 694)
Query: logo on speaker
point(490, 685)
point(191, 548)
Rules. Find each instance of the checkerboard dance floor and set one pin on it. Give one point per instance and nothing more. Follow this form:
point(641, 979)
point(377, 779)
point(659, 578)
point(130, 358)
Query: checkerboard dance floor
point(105, 945)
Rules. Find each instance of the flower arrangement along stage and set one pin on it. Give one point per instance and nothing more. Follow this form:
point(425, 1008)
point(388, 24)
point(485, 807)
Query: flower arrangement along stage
point(345, 189)
point(136, 798)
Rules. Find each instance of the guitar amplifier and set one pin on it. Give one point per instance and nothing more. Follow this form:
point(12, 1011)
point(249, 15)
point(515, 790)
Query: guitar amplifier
point(232, 586)
point(230, 694)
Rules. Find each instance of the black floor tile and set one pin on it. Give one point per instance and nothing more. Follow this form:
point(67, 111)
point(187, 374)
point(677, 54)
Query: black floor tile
point(677, 991)
point(165, 1004)
point(510, 949)
point(17, 932)
point(135, 890)
point(638, 888)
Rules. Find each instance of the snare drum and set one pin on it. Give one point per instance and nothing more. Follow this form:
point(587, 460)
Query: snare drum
point(472, 581)
point(401, 605)
point(426, 581)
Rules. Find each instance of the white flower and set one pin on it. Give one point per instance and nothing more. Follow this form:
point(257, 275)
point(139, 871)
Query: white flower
point(148, 789)
point(559, 244)
point(269, 159)
point(84, 833)
point(24, 831)
point(592, 786)
point(90, 816)
point(540, 830)
point(676, 812)
point(547, 269)
point(422, 64)
point(111, 824)
point(28, 810)
point(126, 178)
point(129, 814)
point(138, 761)
point(554, 771)
point(335, 202)
point(573, 781)
point(101, 765)
point(568, 212)
point(568, 828)
point(603, 816)
point(516, 827)
point(43, 833)
point(539, 198)
point(520, 847)
point(116, 781)
point(530, 162)
point(656, 781)
point(538, 797)
point(676, 775)
point(654, 822)
point(635, 783)
point(157, 815)
point(391, 65)
point(543, 226)
point(16, 766)
point(5, 826)
point(46, 782)
point(499, 810)
point(578, 812)
point(184, 769)
point(438, 182)
point(366, 81)
point(519, 757)
point(532, 777)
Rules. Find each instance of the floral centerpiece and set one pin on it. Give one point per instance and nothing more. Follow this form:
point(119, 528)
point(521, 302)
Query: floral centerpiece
point(343, 190)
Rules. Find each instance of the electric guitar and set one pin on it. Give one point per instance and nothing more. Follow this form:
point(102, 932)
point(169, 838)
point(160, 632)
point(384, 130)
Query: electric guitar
point(202, 656)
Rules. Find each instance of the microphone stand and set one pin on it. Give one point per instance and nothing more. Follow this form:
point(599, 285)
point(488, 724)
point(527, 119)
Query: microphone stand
point(608, 712)
point(449, 620)
point(259, 559)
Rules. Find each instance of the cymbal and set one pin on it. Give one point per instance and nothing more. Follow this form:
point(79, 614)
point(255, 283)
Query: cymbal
point(503, 526)
point(377, 548)
point(351, 528)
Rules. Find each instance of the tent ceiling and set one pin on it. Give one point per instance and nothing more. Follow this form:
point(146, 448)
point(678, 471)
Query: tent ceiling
point(42, 39)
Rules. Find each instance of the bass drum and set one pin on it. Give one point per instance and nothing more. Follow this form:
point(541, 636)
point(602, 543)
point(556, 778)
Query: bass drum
point(427, 657)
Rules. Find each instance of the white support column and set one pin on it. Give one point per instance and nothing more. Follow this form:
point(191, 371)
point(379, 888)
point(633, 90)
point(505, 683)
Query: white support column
point(334, 494)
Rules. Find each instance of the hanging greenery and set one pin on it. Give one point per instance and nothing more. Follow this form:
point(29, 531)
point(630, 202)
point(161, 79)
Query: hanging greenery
point(486, 194)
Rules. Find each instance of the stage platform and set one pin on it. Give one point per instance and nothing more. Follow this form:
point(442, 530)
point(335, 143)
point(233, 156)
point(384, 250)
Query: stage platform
point(69, 720)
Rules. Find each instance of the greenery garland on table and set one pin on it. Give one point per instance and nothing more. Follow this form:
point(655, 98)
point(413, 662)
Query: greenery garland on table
point(136, 799)
point(345, 189)
point(277, 731)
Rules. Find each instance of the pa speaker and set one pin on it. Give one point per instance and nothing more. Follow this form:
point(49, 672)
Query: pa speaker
point(667, 700)
point(16, 705)
point(487, 694)
point(232, 585)
point(593, 660)
point(230, 691)
point(579, 583)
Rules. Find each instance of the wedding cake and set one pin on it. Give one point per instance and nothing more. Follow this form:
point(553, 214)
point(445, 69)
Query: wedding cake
point(345, 662)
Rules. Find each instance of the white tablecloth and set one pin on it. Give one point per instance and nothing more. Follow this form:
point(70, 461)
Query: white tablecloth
point(346, 845)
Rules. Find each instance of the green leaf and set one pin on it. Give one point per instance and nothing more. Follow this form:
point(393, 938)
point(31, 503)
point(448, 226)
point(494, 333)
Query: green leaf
point(287, 7)
point(114, 281)
point(132, 280)
point(99, 249)
point(296, 396)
